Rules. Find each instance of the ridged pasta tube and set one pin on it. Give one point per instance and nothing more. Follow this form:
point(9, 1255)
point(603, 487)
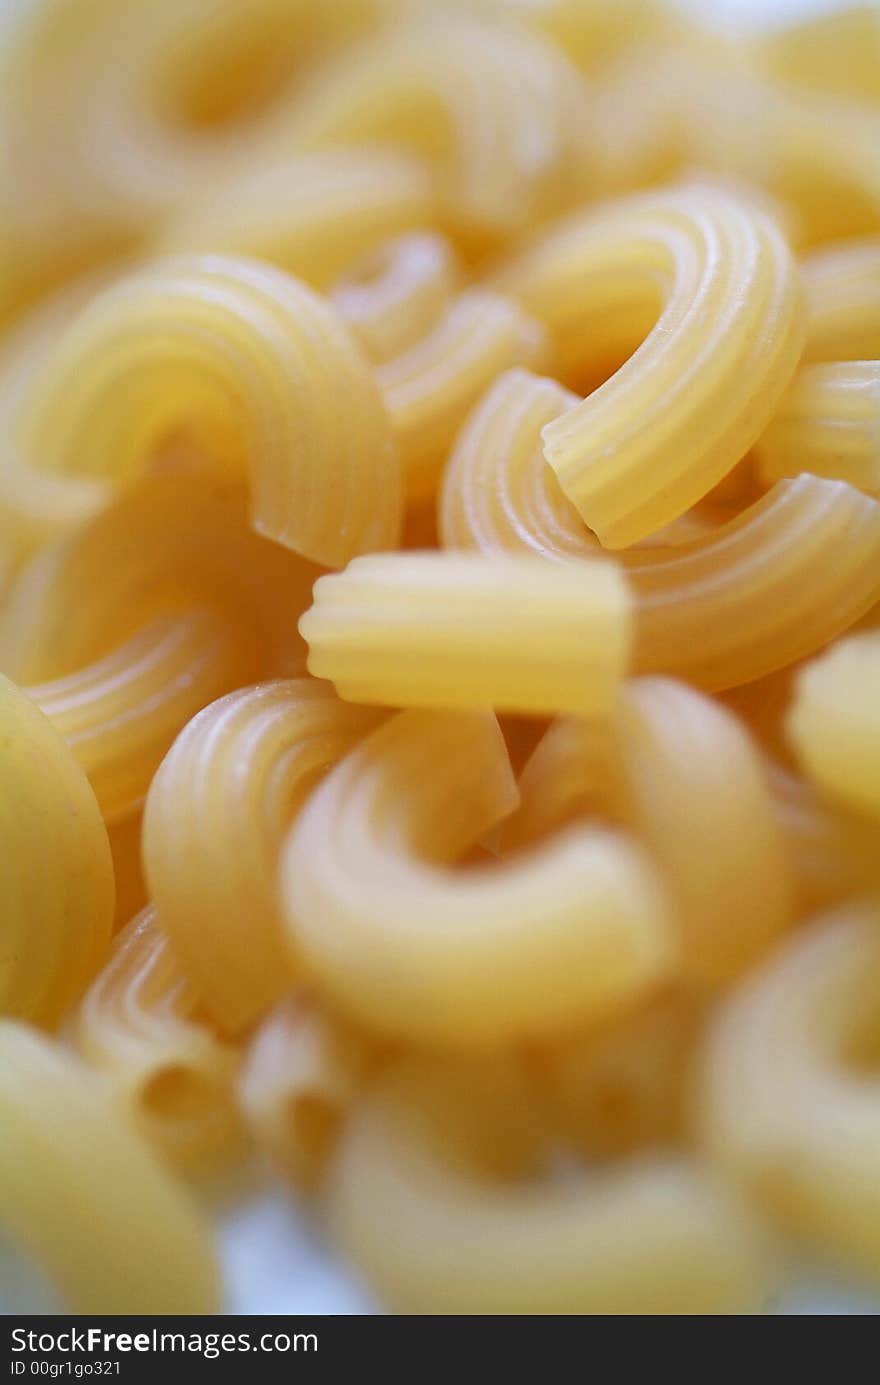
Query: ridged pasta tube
point(56, 867)
point(499, 113)
point(139, 1025)
point(785, 1104)
point(217, 812)
point(241, 349)
point(302, 1074)
point(85, 1197)
point(828, 423)
point(314, 214)
point(652, 1236)
point(834, 721)
point(412, 948)
point(463, 630)
point(726, 606)
point(120, 714)
point(713, 284)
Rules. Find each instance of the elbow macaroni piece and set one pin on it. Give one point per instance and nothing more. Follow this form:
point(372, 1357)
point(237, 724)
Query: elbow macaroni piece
point(654, 1236)
point(313, 214)
point(120, 714)
point(722, 607)
point(429, 388)
point(834, 721)
point(86, 1198)
point(712, 282)
point(829, 424)
point(784, 1105)
point(464, 630)
point(303, 1072)
point(245, 351)
point(499, 114)
point(138, 1024)
point(56, 921)
point(217, 812)
point(413, 948)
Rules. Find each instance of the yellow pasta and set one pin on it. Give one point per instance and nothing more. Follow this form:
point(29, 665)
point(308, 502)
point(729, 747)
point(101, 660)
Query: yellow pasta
point(120, 713)
point(125, 846)
point(174, 540)
point(217, 812)
point(499, 113)
point(834, 722)
point(843, 299)
point(681, 773)
point(711, 286)
point(303, 1072)
point(838, 52)
point(139, 1024)
point(314, 214)
point(788, 1104)
point(462, 630)
point(86, 1198)
point(413, 948)
point(56, 921)
point(733, 602)
point(396, 296)
point(829, 424)
point(244, 351)
point(653, 1236)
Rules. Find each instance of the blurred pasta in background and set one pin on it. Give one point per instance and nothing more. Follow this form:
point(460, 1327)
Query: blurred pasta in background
point(440, 646)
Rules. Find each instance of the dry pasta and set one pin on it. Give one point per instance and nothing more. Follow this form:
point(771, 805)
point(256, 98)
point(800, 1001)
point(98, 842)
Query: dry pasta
point(439, 619)
point(433, 618)
point(139, 1024)
point(56, 923)
point(471, 958)
point(74, 1173)
point(649, 1237)
point(218, 810)
point(787, 1104)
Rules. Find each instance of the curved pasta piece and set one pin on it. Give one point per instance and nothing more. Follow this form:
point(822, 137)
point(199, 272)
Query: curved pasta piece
point(120, 714)
point(412, 948)
point(314, 214)
point(694, 790)
point(170, 541)
point(843, 301)
point(394, 298)
point(652, 1236)
point(465, 630)
point(56, 867)
point(499, 113)
point(834, 721)
point(429, 388)
point(84, 1196)
point(302, 1073)
point(131, 889)
point(217, 811)
point(713, 284)
point(783, 1102)
point(238, 348)
point(139, 1025)
point(834, 855)
point(725, 607)
point(679, 771)
point(828, 423)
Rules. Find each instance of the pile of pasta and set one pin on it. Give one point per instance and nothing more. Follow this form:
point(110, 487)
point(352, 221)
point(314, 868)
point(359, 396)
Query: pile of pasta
point(439, 582)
